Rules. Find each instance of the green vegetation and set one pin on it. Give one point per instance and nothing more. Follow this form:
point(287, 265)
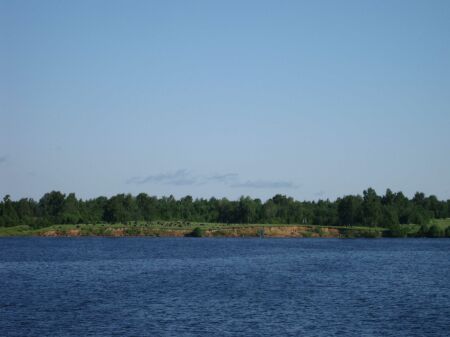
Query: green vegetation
point(193, 229)
point(436, 228)
point(402, 231)
point(366, 215)
point(197, 232)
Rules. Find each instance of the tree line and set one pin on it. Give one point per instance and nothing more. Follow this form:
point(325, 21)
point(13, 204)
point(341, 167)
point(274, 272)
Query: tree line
point(368, 209)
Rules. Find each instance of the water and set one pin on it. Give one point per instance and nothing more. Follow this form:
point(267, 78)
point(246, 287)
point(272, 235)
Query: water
point(224, 287)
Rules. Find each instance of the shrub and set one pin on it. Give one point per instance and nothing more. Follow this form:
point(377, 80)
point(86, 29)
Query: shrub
point(369, 234)
point(397, 231)
point(319, 230)
point(423, 231)
point(132, 231)
point(447, 232)
point(197, 232)
point(436, 231)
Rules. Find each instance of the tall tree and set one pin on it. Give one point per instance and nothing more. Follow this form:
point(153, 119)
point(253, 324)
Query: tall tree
point(348, 208)
point(371, 208)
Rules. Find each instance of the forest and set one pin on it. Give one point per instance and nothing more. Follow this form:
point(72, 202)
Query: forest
point(368, 209)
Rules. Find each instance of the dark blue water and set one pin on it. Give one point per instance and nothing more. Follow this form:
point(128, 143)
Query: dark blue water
point(224, 287)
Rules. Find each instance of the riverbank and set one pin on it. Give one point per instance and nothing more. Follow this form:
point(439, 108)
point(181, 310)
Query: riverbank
point(193, 229)
point(186, 229)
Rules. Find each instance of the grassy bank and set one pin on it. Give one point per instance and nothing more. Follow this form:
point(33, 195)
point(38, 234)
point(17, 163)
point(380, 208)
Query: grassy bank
point(181, 229)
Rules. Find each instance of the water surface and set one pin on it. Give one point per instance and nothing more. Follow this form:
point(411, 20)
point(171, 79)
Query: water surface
point(224, 287)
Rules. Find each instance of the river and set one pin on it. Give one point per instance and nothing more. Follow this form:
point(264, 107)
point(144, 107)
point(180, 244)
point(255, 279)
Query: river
point(224, 287)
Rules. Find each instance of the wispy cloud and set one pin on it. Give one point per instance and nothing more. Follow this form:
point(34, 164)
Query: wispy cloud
point(185, 177)
point(3, 159)
point(177, 178)
point(264, 184)
point(223, 178)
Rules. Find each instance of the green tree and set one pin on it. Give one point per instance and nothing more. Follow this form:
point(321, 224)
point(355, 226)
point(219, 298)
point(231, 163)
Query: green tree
point(247, 210)
point(147, 207)
point(348, 209)
point(70, 212)
point(51, 206)
point(9, 215)
point(371, 208)
point(390, 217)
point(120, 208)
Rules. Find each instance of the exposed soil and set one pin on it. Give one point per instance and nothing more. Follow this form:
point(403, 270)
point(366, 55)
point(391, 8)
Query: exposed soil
point(289, 231)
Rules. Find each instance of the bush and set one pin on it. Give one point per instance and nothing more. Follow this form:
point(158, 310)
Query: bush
point(197, 232)
point(319, 230)
point(364, 234)
point(397, 231)
point(436, 231)
point(132, 231)
point(350, 233)
point(423, 231)
point(447, 232)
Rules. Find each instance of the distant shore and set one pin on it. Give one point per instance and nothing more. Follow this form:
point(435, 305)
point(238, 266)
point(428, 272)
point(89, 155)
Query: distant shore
point(183, 229)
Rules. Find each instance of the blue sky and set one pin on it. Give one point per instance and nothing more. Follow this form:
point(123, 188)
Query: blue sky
point(313, 99)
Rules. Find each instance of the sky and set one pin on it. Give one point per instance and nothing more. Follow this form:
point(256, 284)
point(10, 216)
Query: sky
point(311, 99)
